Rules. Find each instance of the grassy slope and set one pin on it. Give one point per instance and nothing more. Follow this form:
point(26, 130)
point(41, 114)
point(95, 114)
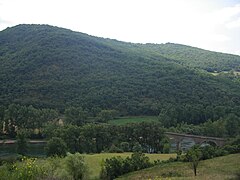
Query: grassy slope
point(133, 119)
point(94, 161)
point(226, 167)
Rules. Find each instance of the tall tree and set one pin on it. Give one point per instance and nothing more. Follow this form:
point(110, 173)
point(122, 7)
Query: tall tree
point(22, 145)
point(193, 156)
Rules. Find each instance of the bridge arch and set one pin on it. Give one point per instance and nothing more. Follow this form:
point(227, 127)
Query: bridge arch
point(209, 142)
point(186, 143)
point(178, 138)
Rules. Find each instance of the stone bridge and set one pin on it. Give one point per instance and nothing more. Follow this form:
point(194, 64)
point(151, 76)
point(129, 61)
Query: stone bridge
point(178, 138)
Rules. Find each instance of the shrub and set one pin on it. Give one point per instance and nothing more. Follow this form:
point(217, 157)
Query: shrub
point(235, 141)
point(140, 161)
point(220, 152)
point(116, 166)
point(208, 152)
point(54, 168)
point(112, 168)
point(76, 167)
point(28, 169)
point(106, 115)
point(232, 148)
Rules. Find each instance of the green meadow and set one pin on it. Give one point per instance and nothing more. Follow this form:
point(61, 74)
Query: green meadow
point(94, 161)
point(225, 167)
point(133, 119)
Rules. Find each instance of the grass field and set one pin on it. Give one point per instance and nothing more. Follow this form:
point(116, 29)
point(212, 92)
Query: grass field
point(133, 119)
point(94, 161)
point(225, 167)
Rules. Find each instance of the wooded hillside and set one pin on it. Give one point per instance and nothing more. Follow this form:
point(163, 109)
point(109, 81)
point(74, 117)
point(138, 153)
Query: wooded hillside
point(51, 67)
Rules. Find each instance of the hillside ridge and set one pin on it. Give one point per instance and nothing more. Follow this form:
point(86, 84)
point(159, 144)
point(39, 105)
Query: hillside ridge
point(53, 67)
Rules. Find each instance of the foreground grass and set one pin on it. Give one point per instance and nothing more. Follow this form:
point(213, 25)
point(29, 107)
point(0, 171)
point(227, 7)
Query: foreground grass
point(94, 161)
point(225, 167)
point(133, 119)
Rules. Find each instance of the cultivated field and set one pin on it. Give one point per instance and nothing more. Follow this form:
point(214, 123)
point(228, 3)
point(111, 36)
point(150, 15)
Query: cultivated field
point(133, 119)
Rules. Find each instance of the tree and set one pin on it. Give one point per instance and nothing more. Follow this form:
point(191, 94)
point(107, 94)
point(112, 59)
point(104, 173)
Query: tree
point(106, 115)
point(2, 110)
point(168, 116)
point(214, 128)
point(75, 116)
point(233, 125)
point(56, 147)
point(22, 145)
point(165, 143)
point(166, 148)
point(137, 147)
point(125, 146)
point(193, 156)
point(115, 149)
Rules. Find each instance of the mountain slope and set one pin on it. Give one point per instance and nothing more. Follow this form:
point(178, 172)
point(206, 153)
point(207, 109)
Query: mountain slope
point(197, 58)
point(53, 67)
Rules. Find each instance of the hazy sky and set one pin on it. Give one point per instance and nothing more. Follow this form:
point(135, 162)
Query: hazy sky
point(208, 24)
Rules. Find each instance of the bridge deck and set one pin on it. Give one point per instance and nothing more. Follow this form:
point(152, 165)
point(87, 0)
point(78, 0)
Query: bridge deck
point(195, 136)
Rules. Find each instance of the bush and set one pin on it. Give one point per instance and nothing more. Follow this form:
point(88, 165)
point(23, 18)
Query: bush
point(140, 161)
point(76, 167)
point(54, 168)
point(116, 166)
point(71, 167)
point(26, 169)
point(112, 168)
point(235, 141)
point(232, 148)
point(106, 115)
point(220, 152)
point(208, 152)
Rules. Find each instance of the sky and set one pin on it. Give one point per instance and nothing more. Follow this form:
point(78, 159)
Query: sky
point(208, 24)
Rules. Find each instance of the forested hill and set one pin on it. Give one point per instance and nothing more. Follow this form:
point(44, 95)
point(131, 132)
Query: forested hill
point(51, 67)
point(197, 58)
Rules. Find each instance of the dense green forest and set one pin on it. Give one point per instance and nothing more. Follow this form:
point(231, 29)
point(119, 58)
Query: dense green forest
point(51, 67)
point(197, 58)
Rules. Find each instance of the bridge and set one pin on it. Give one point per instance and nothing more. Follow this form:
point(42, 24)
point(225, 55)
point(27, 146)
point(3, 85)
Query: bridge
point(178, 138)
